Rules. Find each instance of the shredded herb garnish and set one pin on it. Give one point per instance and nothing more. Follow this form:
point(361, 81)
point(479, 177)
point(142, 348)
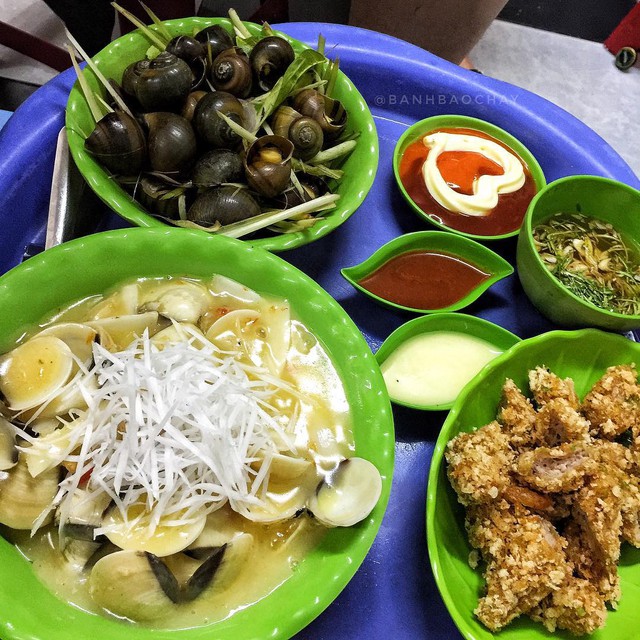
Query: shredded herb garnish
point(592, 260)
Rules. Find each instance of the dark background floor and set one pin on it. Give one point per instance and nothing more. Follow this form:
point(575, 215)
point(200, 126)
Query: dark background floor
point(587, 19)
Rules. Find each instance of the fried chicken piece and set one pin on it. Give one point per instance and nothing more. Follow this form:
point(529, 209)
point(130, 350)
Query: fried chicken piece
point(527, 567)
point(610, 454)
point(517, 416)
point(576, 606)
point(630, 511)
point(617, 461)
point(558, 422)
point(479, 463)
point(602, 575)
point(613, 404)
point(597, 509)
point(546, 386)
point(489, 524)
point(555, 470)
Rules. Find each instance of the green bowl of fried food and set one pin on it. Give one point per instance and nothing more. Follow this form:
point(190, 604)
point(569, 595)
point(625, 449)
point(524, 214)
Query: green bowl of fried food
point(175, 160)
point(578, 256)
point(175, 406)
point(533, 500)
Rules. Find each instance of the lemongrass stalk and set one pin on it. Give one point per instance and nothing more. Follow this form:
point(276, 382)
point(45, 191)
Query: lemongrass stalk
point(96, 113)
point(322, 41)
point(162, 29)
point(148, 33)
point(316, 170)
point(244, 227)
point(296, 183)
point(342, 149)
point(94, 67)
point(245, 134)
point(238, 25)
point(333, 76)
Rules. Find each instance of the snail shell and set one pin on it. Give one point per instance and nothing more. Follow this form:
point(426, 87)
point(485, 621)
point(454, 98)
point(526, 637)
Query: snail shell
point(269, 59)
point(171, 143)
point(231, 71)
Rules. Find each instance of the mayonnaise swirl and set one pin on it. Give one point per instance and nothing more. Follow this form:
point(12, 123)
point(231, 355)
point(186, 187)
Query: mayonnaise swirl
point(486, 188)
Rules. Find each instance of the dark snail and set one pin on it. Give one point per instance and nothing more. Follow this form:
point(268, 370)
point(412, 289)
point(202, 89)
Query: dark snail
point(329, 113)
point(165, 84)
point(171, 142)
point(267, 165)
point(215, 40)
point(269, 59)
point(216, 167)
point(231, 72)
point(118, 143)
point(210, 127)
point(225, 204)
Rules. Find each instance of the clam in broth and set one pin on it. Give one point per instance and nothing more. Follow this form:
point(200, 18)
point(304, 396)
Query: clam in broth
point(165, 445)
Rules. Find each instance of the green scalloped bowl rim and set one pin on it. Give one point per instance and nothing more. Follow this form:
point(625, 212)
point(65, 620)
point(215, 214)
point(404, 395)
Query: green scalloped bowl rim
point(456, 245)
point(360, 167)
point(582, 355)
point(456, 322)
point(90, 265)
point(422, 127)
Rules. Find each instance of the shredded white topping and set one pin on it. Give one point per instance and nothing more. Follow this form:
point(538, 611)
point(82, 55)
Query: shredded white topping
point(175, 429)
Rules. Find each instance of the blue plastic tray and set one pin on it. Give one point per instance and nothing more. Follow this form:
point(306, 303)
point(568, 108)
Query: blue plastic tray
point(393, 595)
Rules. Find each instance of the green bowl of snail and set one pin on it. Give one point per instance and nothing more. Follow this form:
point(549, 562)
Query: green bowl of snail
point(594, 197)
point(92, 265)
point(359, 167)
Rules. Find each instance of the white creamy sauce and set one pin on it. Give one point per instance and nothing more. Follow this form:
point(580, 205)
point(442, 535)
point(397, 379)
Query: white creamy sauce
point(432, 368)
point(486, 188)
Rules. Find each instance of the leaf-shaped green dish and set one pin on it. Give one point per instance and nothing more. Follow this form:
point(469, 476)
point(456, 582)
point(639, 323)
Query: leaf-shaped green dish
point(581, 355)
point(440, 242)
point(454, 322)
point(359, 168)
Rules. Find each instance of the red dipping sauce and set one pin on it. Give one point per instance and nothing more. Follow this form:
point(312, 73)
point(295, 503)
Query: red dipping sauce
point(424, 279)
point(460, 169)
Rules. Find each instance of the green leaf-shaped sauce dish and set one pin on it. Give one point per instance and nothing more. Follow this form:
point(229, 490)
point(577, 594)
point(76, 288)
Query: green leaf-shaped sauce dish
point(428, 272)
point(427, 361)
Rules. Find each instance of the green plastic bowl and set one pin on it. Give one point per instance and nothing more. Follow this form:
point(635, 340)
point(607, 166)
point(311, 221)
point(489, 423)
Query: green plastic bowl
point(456, 322)
point(582, 355)
point(468, 250)
point(359, 168)
point(90, 265)
point(603, 198)
point(423, 127)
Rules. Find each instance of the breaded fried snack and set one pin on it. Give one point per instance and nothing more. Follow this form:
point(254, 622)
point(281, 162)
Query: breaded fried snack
point(479, 464)
point(602, 575)
point(555, 470)
point(517, 417)
point(558, 422)
point(546, 386)
point(576, 606)
point(530, 565)
point(597, 509)
point(613, 404)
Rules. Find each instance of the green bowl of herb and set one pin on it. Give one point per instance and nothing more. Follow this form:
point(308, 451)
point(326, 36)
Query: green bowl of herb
point(578, 255)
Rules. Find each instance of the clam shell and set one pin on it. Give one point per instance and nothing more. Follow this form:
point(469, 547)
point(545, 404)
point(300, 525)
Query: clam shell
point(348, 495)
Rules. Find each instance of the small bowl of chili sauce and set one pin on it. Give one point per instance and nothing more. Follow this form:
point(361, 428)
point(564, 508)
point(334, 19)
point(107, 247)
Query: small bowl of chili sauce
point(428, 272)
point(480, 183)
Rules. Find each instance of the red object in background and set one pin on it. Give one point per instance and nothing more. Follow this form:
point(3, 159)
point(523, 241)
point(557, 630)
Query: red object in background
point(164, 9)
point(627, 33)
